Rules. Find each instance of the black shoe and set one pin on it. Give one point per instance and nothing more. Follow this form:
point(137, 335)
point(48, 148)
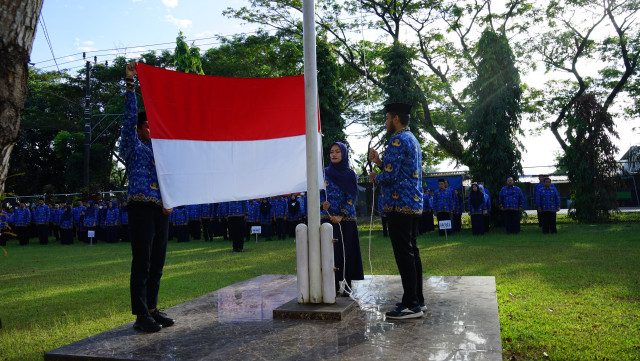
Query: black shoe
point(162, 319)
point(401, 313)
point(423, 307)
point(146, 323)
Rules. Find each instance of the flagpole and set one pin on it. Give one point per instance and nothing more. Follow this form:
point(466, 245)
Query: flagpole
point(311, 121)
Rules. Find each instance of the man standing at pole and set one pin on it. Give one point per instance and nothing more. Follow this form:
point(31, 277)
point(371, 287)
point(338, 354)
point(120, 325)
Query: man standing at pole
point(401, 188)
point(148, 219)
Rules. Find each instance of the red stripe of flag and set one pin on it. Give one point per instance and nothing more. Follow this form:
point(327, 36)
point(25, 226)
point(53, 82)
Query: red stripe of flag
point(210, 108)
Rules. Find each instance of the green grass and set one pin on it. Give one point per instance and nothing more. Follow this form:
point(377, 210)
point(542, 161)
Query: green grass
point(573, 296)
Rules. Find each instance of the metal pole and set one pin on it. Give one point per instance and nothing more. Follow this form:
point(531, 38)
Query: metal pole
point(87, 127)
point(311, 119)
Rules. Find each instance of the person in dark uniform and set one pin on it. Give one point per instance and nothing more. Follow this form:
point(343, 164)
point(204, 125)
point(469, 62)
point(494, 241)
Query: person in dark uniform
point(66, 226)
point(548, 202)
point(89, 220)
point(42, 214)
point(442, 204)
point(181, 224)
point(21, 221)
point(205, 218)
point(487, 204)
point(123, 229)
point(236, 216)
point(477, 209)
point(401, 186)
point(511, 200)
point(265, 219)
point(293, 215)
point(457, 210)
point(426, 220)
point(280, 215)
point(193, 211)
point(338, 208)
point(148, 219)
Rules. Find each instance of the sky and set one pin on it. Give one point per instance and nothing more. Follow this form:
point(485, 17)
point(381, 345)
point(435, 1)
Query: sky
point(130, 27)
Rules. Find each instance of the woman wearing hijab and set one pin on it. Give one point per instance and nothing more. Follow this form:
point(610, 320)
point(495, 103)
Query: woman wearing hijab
point(338, 207)
point(477, 210)
point(66, 226)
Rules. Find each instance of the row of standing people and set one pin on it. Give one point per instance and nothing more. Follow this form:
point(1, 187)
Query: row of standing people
point(276, 216)
point(108, 221)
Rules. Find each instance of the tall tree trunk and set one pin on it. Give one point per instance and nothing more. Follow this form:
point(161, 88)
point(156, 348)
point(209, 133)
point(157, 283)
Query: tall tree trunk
point(18, 20)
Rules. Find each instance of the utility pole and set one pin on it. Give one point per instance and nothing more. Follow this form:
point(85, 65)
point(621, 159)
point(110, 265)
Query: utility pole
point(87, 126)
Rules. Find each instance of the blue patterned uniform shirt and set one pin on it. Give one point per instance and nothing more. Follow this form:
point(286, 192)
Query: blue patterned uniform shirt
point(223, 210)
point(21, 217)
point(141, 167)
point(401, 176)
point(511, 198)
point(206, 211)
point(41, 215)
point(280, 208)
point(4, 220)
point(193, 212)
point(342, 204)
point(180, 217)
point(112, 218)
point(442, 201)
point(77, 212)
point(237, 208)
point(253, 215)
point(548, 199)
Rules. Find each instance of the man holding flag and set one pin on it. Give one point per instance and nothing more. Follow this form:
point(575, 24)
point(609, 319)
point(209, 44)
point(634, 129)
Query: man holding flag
point(148, 219)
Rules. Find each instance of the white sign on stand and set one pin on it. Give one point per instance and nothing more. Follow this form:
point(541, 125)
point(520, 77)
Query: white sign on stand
point(91, 234)
point(445, 225)
point(256, 230)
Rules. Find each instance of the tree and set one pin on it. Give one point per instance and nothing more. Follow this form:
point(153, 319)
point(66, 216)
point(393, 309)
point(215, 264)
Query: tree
point(590, 160)
point(443, 64)
point(18, 21)
point(493, 119)
point(187, 58)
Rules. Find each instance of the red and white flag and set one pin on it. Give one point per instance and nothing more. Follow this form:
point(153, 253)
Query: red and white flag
point(218, 139)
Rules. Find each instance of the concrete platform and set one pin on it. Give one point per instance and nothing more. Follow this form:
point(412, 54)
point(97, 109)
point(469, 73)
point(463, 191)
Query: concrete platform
point(327, 312)
point(235, 323)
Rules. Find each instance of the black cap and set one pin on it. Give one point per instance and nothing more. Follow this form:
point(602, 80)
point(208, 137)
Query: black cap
point(142, 118)
point(397, 108)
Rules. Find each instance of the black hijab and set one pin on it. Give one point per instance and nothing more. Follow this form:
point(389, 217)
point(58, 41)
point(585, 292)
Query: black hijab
point(477, 197)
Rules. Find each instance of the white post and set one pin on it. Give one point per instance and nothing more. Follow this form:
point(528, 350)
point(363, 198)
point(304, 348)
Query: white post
point(302, 263)
point(328, 264)
point(311, 119)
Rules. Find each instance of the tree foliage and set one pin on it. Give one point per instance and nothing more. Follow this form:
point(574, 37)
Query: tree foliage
point(493, 119)
point(187, 58)
point(590, 160)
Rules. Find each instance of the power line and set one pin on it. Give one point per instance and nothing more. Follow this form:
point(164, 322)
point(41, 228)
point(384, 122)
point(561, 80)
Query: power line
point(173, 42)
point(48, 39)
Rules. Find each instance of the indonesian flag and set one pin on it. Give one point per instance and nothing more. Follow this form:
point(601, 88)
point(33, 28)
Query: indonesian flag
point(218, 139)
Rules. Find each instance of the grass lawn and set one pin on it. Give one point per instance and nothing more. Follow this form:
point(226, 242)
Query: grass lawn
point(571, 296)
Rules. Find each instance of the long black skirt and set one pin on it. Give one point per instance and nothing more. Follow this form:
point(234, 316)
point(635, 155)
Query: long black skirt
point(350, 265)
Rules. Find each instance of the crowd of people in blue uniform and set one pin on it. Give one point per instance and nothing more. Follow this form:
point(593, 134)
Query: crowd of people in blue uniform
point(277, 216)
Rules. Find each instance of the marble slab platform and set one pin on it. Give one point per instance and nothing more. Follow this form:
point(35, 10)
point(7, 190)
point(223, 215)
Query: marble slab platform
point(235, 323)
point(328, 312)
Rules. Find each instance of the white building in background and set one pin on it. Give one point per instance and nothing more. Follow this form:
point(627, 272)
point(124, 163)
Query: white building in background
point(630, 161)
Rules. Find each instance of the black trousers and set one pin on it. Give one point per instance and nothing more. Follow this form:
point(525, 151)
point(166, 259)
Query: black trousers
point(403, 232)
point(487, 223)
point(236, 232)
point(512, 221)
point(266, 230)
point(4, 237)
point(443, 216)
point(281, 226)
point(539, 219)
point(291, 227)
point(54, 230)
point(148, 228)
point(23, 234)
point(182, 233)
point(67, 236)
point(548, 222)
point(43, 233)
point(206, 229)
point(385, 226)
point(194, 229)
point(477, 224)
point(457, 222)
point(112, 234)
